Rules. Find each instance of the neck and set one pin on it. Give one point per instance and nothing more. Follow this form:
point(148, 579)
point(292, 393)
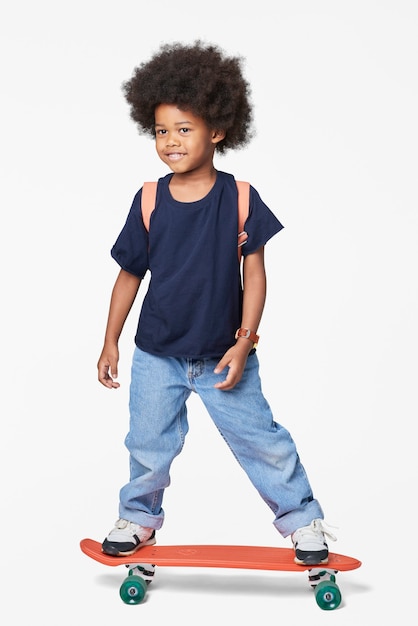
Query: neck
point(192, 186)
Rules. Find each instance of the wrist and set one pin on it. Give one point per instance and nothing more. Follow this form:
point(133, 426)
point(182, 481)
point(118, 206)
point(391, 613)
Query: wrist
point(246, 333)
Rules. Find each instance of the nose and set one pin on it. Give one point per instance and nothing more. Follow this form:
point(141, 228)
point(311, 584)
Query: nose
point(172, 139)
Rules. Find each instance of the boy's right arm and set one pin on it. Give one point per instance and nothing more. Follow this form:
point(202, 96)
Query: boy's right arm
point(123, 296)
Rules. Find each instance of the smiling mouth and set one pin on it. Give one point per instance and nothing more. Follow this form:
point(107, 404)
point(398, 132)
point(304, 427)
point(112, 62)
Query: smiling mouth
point(174, 156)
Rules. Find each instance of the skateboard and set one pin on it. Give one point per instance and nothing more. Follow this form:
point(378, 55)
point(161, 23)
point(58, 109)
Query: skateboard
point(141, 566)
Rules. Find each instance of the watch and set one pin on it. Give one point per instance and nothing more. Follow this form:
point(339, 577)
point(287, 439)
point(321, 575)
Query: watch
point(247, 334)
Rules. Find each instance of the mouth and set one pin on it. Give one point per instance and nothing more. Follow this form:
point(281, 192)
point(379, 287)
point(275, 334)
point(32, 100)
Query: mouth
point(174, 156)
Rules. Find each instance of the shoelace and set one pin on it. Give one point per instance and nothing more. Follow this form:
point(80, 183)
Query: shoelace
point(133, 529)
point(120, 524)
point(319, 526)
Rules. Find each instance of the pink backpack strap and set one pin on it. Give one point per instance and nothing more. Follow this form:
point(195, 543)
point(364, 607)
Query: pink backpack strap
point(243, 210)
point(149, 194)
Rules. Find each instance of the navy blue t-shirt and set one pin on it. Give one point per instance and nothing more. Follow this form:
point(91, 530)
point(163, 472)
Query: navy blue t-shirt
point(193, 304)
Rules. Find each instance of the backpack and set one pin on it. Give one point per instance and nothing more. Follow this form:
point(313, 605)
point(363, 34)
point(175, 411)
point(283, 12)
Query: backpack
point(149, 193)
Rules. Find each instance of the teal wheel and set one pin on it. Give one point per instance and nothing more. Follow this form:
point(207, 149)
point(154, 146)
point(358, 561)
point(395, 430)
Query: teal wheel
point(133, 589)
point(327, 595)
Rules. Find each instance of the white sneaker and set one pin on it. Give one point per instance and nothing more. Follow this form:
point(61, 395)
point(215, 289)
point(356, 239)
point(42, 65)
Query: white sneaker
point(310, 545)
point(127, 537)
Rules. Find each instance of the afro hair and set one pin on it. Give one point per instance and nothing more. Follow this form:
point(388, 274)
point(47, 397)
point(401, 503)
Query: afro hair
point(199, 78)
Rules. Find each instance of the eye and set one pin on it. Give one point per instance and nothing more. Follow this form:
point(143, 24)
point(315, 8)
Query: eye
point(184, 130)
point(160, 131)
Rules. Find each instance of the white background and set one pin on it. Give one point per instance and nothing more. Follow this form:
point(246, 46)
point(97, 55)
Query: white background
point(334, 85)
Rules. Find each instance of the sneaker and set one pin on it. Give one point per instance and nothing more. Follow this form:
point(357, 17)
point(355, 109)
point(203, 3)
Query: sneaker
point(310, 545)
point(126, 538)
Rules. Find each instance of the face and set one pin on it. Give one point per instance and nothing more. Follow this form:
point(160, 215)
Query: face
point(183, 141)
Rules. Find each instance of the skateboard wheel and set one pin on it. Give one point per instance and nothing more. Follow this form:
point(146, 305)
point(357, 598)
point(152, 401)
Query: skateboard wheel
point(327, 595)
point(133, 590)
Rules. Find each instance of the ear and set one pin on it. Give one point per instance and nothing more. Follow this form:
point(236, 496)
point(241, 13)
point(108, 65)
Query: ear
point(218, 135)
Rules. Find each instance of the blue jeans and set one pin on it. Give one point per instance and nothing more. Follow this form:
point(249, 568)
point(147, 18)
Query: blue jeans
point(160, 387)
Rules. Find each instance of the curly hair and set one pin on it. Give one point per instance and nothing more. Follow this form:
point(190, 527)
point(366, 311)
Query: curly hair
point(198, 78)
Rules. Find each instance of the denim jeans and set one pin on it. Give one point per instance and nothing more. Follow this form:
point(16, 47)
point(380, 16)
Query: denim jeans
point(160, 387)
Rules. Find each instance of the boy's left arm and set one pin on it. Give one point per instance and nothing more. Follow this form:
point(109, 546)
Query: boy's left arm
point(254, 287)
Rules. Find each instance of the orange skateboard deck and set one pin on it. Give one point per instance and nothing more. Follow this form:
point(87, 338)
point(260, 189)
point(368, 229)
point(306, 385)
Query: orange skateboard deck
point(142, 564)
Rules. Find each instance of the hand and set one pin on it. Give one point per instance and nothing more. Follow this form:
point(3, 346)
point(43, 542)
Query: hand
point(108, 361)
point(235, 359)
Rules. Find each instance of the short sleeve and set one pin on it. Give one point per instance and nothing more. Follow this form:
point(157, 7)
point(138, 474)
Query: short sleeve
point(261, 224)
point(130, 250)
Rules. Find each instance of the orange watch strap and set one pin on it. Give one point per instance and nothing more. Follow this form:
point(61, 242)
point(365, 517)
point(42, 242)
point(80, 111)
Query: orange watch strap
point(247, 334)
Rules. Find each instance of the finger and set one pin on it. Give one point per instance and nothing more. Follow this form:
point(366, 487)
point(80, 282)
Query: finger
point(221, 365)
point(102, 371)
point(225, 385)
point(106, 379)
point(228, 383)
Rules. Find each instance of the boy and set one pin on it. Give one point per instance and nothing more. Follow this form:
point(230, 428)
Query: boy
point(198, 322)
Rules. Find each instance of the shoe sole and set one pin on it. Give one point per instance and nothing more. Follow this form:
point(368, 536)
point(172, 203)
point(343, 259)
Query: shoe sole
point(307, 562)
point(110, 552)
